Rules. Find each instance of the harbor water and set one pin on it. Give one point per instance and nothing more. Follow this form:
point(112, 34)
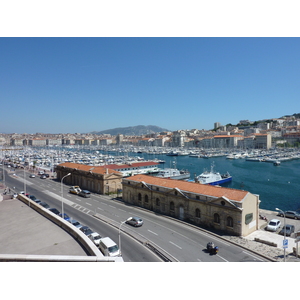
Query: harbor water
point(277, 186)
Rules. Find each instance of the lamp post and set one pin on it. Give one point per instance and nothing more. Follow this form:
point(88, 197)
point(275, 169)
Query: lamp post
point(62, 198)
point(284, 232)
point(120, 233)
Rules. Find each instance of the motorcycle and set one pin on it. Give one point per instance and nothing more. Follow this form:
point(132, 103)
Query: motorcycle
point(263, 218)
point(211, 248)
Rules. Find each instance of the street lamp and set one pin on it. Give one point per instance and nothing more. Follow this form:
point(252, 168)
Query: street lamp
point(120, 233)
point(62, 198)
point(284, 232)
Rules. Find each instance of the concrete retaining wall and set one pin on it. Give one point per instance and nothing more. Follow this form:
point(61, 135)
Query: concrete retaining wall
point(78, 235)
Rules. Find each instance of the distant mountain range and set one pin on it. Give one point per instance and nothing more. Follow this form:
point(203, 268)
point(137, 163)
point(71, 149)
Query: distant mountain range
point(132, 130)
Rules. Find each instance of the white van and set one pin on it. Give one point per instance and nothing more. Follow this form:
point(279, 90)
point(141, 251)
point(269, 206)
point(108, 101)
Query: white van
point(108, 247)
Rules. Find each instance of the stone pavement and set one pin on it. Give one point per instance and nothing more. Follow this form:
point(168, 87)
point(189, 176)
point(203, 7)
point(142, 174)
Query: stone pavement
point(275, 253)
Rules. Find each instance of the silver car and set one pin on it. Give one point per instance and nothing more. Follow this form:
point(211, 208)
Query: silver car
point(273, 225)
point(135, 221)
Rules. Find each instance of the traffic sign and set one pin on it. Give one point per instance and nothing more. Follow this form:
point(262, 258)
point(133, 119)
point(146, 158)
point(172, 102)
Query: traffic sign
point(285, 243)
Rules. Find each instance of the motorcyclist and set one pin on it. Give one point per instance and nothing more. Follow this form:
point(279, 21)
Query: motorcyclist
point(210, 246)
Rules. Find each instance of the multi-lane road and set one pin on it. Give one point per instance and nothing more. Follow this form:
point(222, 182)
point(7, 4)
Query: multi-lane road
point(176, 240)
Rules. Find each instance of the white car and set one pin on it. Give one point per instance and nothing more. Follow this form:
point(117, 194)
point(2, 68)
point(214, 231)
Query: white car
point(273, 225)
point(95, 237)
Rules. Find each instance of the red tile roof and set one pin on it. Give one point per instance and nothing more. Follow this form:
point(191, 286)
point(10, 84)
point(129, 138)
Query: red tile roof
point(197, 188)
point(133, 165)
point(98, 170)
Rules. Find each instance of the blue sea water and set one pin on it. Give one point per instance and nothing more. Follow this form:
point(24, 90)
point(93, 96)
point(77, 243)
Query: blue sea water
point(277, 186)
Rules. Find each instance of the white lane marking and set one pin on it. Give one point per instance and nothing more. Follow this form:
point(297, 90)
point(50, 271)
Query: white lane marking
point(222, 258)
point(152, 232)
point(175, 245)
point(111, 206)
point(99, 208)
point(122, 210)
point(88, 203)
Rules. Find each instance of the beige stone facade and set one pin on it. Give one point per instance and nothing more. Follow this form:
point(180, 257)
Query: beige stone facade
point(228, 210)
point(95, 179)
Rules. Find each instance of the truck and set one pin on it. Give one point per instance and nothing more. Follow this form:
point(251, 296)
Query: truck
point(75, 189)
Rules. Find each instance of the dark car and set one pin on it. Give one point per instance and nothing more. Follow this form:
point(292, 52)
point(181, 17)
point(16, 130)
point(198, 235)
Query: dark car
point(44, 204)
point(288, 229)
point(43, 176)
point(54, 210)
point(38, 201)
point(85, 194)
point(135, 221)
point(86, 230)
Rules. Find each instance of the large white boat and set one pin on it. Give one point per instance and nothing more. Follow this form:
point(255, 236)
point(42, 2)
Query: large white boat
point(213, 178)
point(173, 174)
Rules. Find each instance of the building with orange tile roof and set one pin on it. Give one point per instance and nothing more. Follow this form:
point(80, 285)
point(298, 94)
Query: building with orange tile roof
point(228, 210)
point(99, 180)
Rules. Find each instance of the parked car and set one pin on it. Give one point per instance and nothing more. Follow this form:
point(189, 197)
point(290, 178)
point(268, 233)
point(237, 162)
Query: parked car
point(32, 176)
point(75, 223)
point(66, 217)
point(54, 210)
point(108, 247)
point(32, 197)
point(38, 201)
point(290, 214)
point(273, 225)
point(95, 237)
point(86, 230)
point(135, 221)
point(43, 176)
point(288, 229)
point(44, 204)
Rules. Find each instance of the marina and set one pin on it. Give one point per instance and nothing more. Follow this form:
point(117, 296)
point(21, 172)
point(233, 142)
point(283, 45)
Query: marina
point(277, 186)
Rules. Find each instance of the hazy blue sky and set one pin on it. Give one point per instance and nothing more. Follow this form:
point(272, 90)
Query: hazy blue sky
point(61, 85)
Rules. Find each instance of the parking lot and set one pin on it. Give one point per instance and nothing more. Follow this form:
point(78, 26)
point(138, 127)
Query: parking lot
point(275, 237)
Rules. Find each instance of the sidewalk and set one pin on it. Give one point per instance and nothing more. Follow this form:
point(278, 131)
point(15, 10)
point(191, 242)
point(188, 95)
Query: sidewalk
point(275, 253)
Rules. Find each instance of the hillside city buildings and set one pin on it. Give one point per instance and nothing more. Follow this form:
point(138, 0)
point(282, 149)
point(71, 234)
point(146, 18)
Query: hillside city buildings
point(245, 135)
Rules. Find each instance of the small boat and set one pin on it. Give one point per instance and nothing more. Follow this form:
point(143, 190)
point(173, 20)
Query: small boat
point(276, 163)
point(172, 153)
point(213, 178)
point(173, 174)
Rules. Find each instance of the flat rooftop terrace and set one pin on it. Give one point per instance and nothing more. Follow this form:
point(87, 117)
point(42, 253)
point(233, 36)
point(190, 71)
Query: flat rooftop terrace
point(24, 231)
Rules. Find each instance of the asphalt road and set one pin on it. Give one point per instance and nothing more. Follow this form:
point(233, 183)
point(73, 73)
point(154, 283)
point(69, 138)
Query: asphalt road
point(180, 241)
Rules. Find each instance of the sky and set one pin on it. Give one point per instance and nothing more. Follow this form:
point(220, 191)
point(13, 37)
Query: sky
point(110, 64)
point(74, 84)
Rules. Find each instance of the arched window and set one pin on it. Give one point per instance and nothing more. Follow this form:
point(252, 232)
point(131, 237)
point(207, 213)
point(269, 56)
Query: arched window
point(217, 218)
point(229, 222)
point(198, 213)
point(146, 198)
point(157, 202)
point(139, 197)
point(172, 207)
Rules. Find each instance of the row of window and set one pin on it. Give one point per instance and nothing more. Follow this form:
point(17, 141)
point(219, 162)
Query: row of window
point(217, 219)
